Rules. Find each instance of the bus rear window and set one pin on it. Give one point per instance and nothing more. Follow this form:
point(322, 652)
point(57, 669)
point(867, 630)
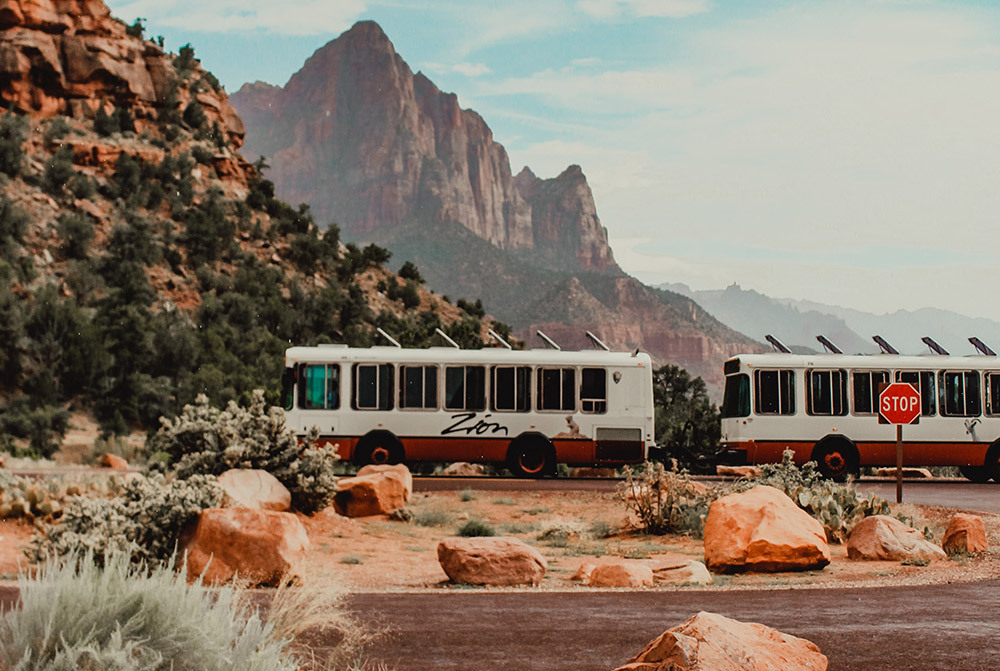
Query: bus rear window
point(736, 398)
point(775, 392)
point(594, 390)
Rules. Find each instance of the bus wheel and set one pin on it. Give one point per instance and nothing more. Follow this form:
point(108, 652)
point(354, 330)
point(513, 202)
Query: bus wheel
point(977, 474)
point(836, 457)
point(378, 448)
point(531, 457)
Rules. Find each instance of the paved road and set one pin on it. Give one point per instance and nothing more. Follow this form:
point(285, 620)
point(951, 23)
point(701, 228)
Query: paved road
point(951, 627)
point(960, 494)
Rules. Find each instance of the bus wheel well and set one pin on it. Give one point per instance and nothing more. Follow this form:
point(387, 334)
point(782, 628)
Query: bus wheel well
point(378, 447)
point(992, 461)
point(531, 455)
point(836, 457)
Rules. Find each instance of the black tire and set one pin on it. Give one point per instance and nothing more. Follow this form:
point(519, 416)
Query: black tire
point(992, 462)
point(378, 448)
point(836, 458)
point(531, 457)
point(977, 474)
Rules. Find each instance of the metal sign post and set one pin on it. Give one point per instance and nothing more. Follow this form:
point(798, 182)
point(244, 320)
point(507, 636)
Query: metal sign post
point(899, 404)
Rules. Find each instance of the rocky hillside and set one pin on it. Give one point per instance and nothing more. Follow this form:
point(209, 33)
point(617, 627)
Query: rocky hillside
point(392, 159)
point(372, 146)
point(143, 260)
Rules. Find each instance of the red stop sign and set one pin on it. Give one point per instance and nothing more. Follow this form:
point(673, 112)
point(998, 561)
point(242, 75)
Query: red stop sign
point(899, 403)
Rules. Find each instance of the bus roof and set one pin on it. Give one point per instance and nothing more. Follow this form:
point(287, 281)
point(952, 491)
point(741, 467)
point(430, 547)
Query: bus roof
point(448, 355)
point(869, 361)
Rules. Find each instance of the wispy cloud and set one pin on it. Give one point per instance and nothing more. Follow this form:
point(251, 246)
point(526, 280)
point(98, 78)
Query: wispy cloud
point(612, 9)
point(471, 69)
point(306, 17)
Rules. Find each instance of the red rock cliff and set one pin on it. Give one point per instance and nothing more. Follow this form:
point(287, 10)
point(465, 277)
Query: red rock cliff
point(371, 146)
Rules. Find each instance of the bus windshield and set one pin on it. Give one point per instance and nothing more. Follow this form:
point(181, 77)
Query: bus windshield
point(736, 398)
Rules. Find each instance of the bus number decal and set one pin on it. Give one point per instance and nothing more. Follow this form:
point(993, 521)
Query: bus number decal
point(463, 423)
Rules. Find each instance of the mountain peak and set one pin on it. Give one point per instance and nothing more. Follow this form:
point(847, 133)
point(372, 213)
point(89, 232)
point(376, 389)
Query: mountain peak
point(366, 35)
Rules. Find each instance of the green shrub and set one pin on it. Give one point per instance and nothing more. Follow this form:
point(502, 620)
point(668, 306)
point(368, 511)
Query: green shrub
point(467, 495)
point(433, 518)
point(57, 129)
point(13, 226)
point(105, 124)
point(75, 615)
point(58, 170)
point(76, 231)
point(143, 520)
point(13, 133)
point(664, 501)
point(137, 29)
point(43, 425)
point(476, 528)
point(474, 309)
point(205, 440)
point(194, 115)
point(409, 272)
point(81, 186)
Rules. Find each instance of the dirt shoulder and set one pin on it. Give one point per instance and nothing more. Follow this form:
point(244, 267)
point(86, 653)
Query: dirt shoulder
point(569, 528)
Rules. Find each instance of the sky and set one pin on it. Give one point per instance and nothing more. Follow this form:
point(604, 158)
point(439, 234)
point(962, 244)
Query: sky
point(845, 151)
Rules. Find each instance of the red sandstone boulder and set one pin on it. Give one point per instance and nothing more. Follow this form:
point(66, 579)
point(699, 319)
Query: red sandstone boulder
point(711, 642)
point(375, 490)
point(495, 560)
point(763, 530)
point(254, 488)
point(966, 534)
point(262, 547)
point(113, 461)
point(681, 573)
point(886, 538)
point(621, 573)
point(738, 471)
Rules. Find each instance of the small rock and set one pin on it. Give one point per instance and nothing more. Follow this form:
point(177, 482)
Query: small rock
point(463, 469)
point(113, 461)
point(690, 573)
point(908, 472)
point(738, 471)
point(881, 537)
point(491, 560)
point(711, 642)
point(463, 516)
point(254, 488)
point(966, 534)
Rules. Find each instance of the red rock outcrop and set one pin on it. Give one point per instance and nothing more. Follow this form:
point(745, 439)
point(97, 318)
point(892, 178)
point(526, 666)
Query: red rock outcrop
point(966, 534)
point(621, 573)
point(881, 537)
point(372, 146)
point(491, 561)
point(375, 490)
point(263, 547)
point(763, 530)
point(71, 57)
point(712, 642)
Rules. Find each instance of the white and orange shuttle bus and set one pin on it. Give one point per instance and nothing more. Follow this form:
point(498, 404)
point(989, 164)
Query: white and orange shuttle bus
point(527, 410)
point(824, 407)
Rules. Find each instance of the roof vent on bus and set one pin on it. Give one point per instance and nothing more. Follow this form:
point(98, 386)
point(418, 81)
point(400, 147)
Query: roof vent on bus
point(548, 341)
point(597, 342)
point(777, 344)
point(983, 348)
point(395, 343)
point(830, 347)
point(496, 336)
point(884, 346)
point(446, 338)
point(934, 347)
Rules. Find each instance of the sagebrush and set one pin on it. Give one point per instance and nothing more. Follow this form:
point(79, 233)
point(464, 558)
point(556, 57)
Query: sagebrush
point(208, 441)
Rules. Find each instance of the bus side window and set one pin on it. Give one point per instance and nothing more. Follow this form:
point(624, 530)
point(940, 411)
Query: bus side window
point(373, 386)
point(511, 388)
point(826, 392)
point(319, 386)
point(992, 394)
point(465, 388)
point(866, 389)
point(775, 392)
point(924, 382)
point(594, 390)
point(960, 394)
point(736, 397)
point(418, 387)
point(557, 389)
